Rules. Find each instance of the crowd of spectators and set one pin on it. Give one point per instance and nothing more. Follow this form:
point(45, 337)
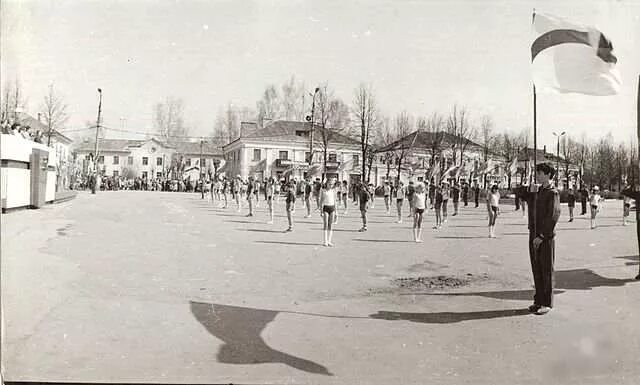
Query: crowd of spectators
point(25, 132)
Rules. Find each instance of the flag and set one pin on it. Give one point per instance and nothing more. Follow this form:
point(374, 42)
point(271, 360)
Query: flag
point(513, 168)
point(569, 57)
point(485, 167)
point(435, 171)
point(449, 171)
point(346, 165)
point(315, 170)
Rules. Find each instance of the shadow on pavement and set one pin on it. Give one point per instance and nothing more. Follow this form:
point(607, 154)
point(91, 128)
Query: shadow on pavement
point(383, 240)
point(447, 317)
point(463, 237)
point(585, 279)
point(513, 295)
point(239, 328)
point(577, 279)
point(631, 258)
point(264, 231)
point(290, 243)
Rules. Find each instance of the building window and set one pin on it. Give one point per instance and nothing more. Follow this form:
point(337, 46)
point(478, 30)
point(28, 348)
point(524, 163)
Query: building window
point(144, 175)
point(115, 173)
point(284, 155)
point(188, 162)
point(145, 161)
point(116, 159)
point(101, 159)
point(158, 175)
point(333, 157)
point(158, 161)
point(356, 159)
point(256, 154)
point(130, 160)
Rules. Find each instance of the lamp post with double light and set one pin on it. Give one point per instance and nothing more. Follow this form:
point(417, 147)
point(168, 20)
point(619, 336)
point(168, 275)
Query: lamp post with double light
point(558, 155)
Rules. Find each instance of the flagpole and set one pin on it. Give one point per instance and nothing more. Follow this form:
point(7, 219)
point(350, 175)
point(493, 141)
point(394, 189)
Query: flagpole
point(634, 187)
point(535, 157)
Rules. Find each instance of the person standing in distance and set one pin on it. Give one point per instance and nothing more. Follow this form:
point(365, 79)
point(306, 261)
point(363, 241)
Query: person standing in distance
point(544, 212)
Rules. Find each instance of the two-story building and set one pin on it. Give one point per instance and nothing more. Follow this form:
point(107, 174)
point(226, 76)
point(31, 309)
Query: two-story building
point(149, 158)
point(61, 145)
point(421, 149)
point(282, 149)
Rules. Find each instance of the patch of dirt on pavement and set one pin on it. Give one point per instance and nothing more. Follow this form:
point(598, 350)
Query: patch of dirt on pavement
point(438, 282)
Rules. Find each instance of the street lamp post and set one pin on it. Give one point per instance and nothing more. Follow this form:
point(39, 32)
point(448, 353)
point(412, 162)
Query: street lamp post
point(558, 156)
point(310, 119)
point(95, 152)
point(201, 168)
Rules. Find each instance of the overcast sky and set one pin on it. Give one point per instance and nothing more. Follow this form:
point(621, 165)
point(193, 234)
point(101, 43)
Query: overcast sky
point(420, 56)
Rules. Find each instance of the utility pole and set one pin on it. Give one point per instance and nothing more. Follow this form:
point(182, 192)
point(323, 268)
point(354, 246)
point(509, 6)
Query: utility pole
point(310, 119)
point(558, 156)
point(201, 168)
point(95, 158)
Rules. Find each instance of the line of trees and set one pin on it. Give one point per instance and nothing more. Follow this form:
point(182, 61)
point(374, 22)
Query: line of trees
point(603, 162)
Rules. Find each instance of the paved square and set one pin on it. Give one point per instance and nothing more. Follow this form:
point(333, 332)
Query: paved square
point(136, 286)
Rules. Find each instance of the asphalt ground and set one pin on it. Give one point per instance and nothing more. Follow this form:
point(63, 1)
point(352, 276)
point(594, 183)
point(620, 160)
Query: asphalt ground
point(130, 286)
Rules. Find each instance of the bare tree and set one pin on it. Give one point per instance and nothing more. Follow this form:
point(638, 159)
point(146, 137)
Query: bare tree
point(488, 140)
point(292, 94)
point(435, 125)
point(11, 100)
point(54, 112)
point(168, 118)
point(621, 159)
point(403, 125)
point(332, 117)
point(463, 132)
point(269, 106)
point(365, 112)
point(386, 136)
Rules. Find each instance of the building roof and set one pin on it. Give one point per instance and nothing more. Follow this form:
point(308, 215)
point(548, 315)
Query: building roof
point(286, 130)
point(421, 139)
point(193, 148)
point(109, 145)
point(125, 145)
point(28, 120)
point(526, 154)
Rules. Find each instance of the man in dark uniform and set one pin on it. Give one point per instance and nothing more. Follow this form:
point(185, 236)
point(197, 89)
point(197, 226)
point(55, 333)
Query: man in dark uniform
point(584, 194)
point(517, 197)
point(476, 192)
point(635, 195)
point(465, 193)
point(544, 211)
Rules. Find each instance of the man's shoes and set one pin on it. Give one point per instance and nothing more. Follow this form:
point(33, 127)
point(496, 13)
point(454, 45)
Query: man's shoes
point(543, 310)
point(534, 308)
point(289, 230)
point(362, 229)
point(571, 220)
point(638, 277)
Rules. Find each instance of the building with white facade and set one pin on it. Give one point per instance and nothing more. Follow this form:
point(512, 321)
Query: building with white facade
point(60, 143)
point(281, 149)
point(149, 158)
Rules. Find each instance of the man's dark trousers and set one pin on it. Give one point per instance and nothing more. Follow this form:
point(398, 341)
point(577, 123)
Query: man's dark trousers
point(542, 267)
point(583, 202)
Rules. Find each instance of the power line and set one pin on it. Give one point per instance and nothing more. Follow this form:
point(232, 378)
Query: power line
point(132, 132)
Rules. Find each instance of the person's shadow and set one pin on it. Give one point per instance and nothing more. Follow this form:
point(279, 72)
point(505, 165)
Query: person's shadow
point(575, 279)
point(239, 328)
point(447, 317)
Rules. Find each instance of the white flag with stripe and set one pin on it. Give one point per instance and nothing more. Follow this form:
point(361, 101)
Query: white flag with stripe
point(568, 57)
